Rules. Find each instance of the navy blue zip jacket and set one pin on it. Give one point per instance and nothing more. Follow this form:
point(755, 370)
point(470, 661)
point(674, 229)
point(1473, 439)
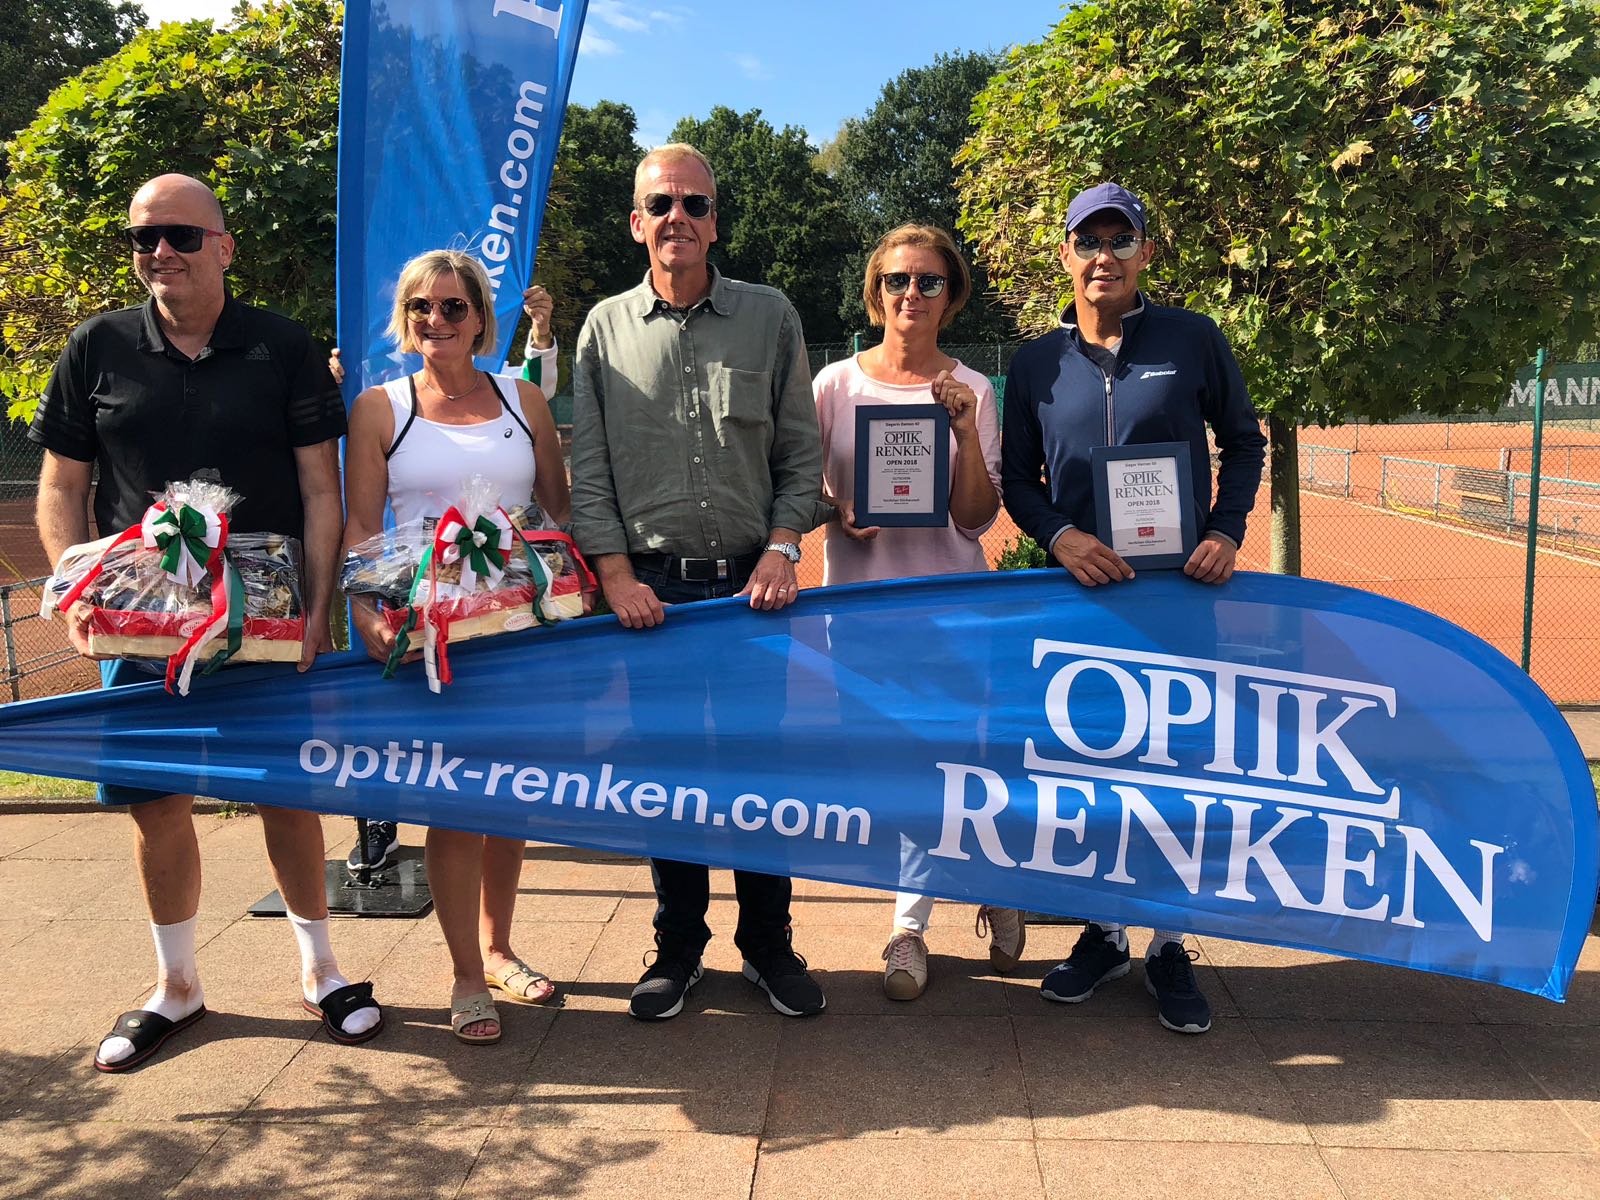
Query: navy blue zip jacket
point(1175, 375)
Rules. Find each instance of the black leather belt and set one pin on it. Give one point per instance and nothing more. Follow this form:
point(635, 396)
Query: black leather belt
point(696, 570)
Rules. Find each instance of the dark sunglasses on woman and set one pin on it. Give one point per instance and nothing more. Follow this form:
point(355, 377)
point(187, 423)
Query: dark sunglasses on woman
point(928, 286)
point(695, 205)
point(454, 310)
point(185, 239)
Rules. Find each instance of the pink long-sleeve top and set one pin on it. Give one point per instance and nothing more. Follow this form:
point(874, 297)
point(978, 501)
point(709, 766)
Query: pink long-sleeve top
point(840, 388)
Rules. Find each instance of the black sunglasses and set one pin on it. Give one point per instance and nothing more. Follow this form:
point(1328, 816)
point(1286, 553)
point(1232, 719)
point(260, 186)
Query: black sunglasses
point(928, 286)
point(454, 310)
point(695, 205)
point(185, 239)
point(1124, 245)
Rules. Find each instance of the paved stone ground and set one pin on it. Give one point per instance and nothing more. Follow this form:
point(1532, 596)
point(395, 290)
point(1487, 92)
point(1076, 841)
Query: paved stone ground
point(1321, 1078)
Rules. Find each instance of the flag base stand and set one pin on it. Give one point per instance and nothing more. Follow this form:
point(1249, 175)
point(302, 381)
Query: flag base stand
point(398, 889)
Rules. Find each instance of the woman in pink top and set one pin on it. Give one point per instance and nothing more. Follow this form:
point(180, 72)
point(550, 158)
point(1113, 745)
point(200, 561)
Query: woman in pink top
point(916, 282)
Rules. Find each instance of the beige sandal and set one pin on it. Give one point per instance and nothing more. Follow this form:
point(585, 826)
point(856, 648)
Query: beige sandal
point(470, 1009)
point(518, 983)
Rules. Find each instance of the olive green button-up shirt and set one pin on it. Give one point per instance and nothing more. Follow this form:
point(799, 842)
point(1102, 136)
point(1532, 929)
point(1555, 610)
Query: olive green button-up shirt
point(694, 431)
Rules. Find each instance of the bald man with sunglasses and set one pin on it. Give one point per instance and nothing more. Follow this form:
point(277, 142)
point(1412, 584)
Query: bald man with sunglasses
point(1121, 371)
point(193, 380)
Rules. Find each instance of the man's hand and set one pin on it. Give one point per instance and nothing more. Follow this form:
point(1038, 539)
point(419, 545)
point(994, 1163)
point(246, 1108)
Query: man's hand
point(77, 619)
point(1089, 559)
point(635, 603)
point(318, 640)
point(1212, 560)
point(539, 306)
point(335, 367)
point(856, 533)
point(772, 584)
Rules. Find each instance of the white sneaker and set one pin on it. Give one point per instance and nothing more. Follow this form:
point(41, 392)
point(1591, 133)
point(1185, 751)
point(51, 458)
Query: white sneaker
point(1007, 934)
point(905, 973)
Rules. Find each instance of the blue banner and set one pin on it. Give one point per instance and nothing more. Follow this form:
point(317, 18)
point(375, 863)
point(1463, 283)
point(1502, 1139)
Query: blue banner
point(450, 116)
point(1275, 760)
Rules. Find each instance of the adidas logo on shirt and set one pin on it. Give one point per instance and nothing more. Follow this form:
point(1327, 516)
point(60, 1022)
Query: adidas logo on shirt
point(258, 353)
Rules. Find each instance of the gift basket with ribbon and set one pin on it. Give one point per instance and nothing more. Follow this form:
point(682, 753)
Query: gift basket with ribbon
point(476, 570)
point(180, 582)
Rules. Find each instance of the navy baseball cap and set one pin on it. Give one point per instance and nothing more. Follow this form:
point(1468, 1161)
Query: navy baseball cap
point(1103, 196)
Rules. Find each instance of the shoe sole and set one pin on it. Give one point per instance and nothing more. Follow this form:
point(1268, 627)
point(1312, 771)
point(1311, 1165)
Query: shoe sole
point(1114, 973)
point(1002, 963)
point(143, 1056)
point(676, 1008)
point(1166, 1024)
point(909, 990)
point(754, 976)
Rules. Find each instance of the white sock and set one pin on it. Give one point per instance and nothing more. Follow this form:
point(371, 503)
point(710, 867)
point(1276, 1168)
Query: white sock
point(178, 992)
point(319, 965)
point(1159, 938)
point(1116, 934)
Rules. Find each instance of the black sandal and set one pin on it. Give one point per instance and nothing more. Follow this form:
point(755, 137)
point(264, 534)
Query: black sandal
point(148, 1031)
point(336, 1008)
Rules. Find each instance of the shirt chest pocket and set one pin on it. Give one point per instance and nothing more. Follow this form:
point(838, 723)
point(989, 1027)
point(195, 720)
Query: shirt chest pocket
point(741, 401)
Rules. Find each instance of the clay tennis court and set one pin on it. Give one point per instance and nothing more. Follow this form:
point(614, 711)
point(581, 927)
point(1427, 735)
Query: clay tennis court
point(1468, 573)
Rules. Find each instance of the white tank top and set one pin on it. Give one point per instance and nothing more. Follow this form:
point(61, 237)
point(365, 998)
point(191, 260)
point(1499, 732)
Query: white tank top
point(429, 466)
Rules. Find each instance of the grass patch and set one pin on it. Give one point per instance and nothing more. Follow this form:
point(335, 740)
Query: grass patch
point(15, 786)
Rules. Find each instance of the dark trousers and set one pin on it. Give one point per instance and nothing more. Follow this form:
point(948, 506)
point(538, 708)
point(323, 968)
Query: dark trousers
point(683, 890)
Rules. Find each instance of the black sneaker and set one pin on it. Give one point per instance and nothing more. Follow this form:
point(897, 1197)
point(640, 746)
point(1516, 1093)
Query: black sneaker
point(1169, 977)
point(383, 839)
point(781, 974)
point(661, 990)
point(1093, 961)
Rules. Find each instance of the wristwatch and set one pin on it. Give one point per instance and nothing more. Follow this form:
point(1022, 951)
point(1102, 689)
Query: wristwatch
point(789, 550)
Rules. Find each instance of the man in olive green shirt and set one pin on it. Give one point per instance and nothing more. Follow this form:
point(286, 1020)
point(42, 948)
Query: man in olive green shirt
point(696, 467)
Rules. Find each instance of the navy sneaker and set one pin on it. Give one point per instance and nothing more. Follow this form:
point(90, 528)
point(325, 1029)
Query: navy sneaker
point(383, 839)
point(781, 974)
point(1096, 959)
point(661, 990)
point(1169, 977)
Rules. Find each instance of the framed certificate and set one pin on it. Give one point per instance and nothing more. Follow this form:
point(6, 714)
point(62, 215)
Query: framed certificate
point(902, 465)
point(1144, 502)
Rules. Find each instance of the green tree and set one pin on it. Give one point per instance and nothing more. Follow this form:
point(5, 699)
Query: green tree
point(1387, 208)
point(895, 165)
point(46, 42)
point(779, 222)
point(252, 109)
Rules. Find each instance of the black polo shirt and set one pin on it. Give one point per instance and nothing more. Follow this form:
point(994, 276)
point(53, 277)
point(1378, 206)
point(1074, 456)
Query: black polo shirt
point(122, 397)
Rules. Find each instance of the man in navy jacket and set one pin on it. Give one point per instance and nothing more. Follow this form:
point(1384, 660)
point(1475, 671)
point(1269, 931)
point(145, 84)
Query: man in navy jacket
point(1121, 371)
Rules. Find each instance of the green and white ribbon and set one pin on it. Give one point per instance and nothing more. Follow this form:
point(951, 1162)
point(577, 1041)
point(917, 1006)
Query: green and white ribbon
point(185, 535)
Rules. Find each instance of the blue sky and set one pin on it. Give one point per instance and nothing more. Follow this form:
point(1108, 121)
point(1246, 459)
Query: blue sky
point(808, 64)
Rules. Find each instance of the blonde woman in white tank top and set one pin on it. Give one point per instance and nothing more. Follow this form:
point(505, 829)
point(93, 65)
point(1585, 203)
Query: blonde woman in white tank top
point(452, 421)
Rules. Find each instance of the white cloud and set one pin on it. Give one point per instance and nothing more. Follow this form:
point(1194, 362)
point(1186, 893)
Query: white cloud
point(616, 14)
point(752, 67)
point(593, 45)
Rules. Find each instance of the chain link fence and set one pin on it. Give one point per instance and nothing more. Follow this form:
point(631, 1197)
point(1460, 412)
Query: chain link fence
point(1434, 512)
